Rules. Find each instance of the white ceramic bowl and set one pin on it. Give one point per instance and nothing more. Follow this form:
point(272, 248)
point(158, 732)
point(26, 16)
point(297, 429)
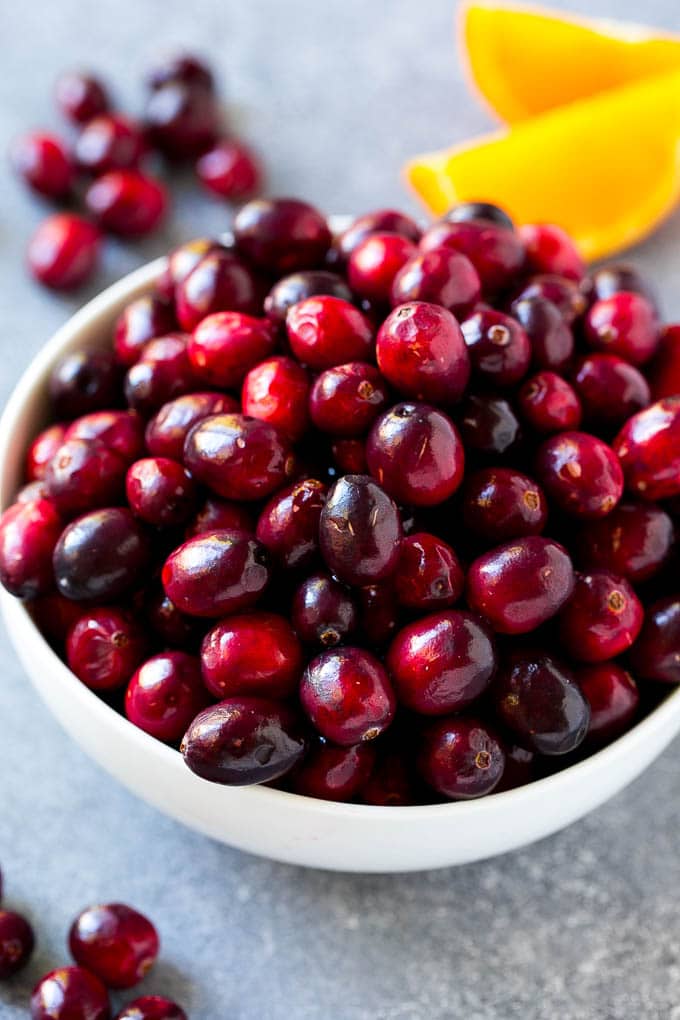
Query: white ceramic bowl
point(284, 826)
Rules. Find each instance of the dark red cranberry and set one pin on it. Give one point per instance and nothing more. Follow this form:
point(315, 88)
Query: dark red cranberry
point(100, 555)
point(70, 993)
point(165, 694)
point(602, 618)
point(345, 400)
point(634, 541)
point(300, 286)
point(325, 331)
point(55, 615)
point(624, 324)
point(81, 96)
point(565, 294)
point(580, 473)
point(520, 585)
point(375, 261)
point(277, 391)
point(461, 758)
point(252, 653)
point(28, 536)
point(43, 163)
point(282, 235)
point(548, 403)
point(613, 698)
point(83, 475)
point(160, 491)
point(381, 221)
point(323, 611)
point(347, 695)
point(360, 531)
point(180, 67)
point(422, 353)
point(499, 348)
point(220, 515)
point(219, 282)
point(442, 662)
point(392, 782)
point(181, 120)
point(439, 276)
point(288, 526)
point(549, 249)
point(120, 431)
point(64, 251)
point(141, 320)
point(615, 278)
point(168, 429)
point(127, 202)
point(104, 647)
point(115, 943)
point(611, 389)
point(551, 339)
point(230, 170)
point(519, 767)
point(663, 373)
point(216, 573)
point(161, 374)
point(238, 457)
point(42, 450)
point(84, 381)
point(16, 943)
point(334, 773)
point(226, 345)
point(379, 613)
point(109, 142)
point(501, 503)
point(180, 263)
point(152, 1007)
point(648, 448)
point(466, 211)
point(429, 574)
point(656, 653)
point(244, 740)
point(173, 628)
point(496, 252)
point(350, 456)
point(539, 701)
point(488, 425)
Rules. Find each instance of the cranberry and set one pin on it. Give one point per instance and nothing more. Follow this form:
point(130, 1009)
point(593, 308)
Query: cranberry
point(252, 653)
point(581, 474)
point(216, 573)
point(83, 475)
point(392, 783)
point(488, 425)
point(219, 282)
point(429, 575)
point(496, 252)
point(162, 373)
point(276, 391)
point(28, 535)
point(140, 321)
point(656, 653)
point(219, 515)
point(664, 372)
point(288, 526)
point(104, 647)
point(181, 120)
point(565, 294)
point(499, 348)
point(168, 429)
point(461, 758)
point(379, 612)
point(160, 491)
point(81, 96)
point(334, 773)
point(64, 251)
point(127, 202)
point(612, 697)
point(548, 403)
point(180, 263)
point(42, 450)
point(173, 628)
point(55, 615)
point(624, 324)
point(648, 448)
point(422, 353)
point(350, 456)
point(244, 740)
point(84, 381)
point(360, 531)
point(165, 694)
point(230, 170)
point(613, 279)
point(439, 276)
point(539, 701)
point(115, 943)
point(374, 263)
point(282, 235)
point(519, 767)
point(611, 389)
point(552, 341)
point(634, 541)
point(466, 211)
point(152, 1007)
point(226, 345)
point(109, 142)
point(121, 431)
point(238, 457)
point(346, 400)
point(323, 611)
point(325, 331)
point(100, 555)
point(300, 286)
point(380, 221)
point(16, 943)
point(70, 993)
point(43, 163)
point(549, 249)
point(501, 503)
point(602, 618)
point(347, 695)
point(180, 67)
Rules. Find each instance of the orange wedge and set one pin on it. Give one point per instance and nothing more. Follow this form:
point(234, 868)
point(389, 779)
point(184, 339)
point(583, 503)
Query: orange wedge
point(526, 60)
point(606, 169)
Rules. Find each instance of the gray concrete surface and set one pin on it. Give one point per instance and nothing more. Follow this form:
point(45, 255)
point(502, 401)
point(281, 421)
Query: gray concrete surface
point(584, 926)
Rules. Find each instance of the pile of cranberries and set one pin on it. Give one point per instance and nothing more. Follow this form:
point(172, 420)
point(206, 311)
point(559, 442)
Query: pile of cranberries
point(105, 170)
point(383, 517)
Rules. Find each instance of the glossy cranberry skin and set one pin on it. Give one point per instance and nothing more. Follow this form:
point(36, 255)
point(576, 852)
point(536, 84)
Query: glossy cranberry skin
point(549, 249)
point(360, 531)
point(648, 448)
point(663, 373)
point(656, 653)
point(238, 457)
point(334, 773)
point(501, 503)
point(350, 456)
point(152, 1007)
point(252, 653)
point(230, 170)
point(127, 202)
point(612, 697)
point(610, 389)
point(422, 353)
point(548, 403)
point(28, 535)
point(83, 475)
point(181, 261)
point(219, 282)
point(70, 993)
point(104, 647)
point(429, 574)
point(168, 429)
point(581, 474)
point(565, 294)
point(16, 943)
point(277, 391)
point(181, 120)
point(539, 701)
point(219, 515)
point(244, 740)
point(100, 555)
point(299, 286)
point(416, 454)
point(282, 235)
point(499, 348)
point(521, 584)
point(347, 695)
point(64, 251)
point(81, 96)
point(109, 142)
point(345, 400)
point(165, 694)
point(323, 611)
point(624, 324)
point(143, 319)
point(496, 253)
point(216, 573)
point(42, 450)
point(288, 526)
point(488, 425)
point(461, 758)
point(463, 212)
point(602, 618)
point(551, 339)
point(43, 163)
point(439, 276)
point(381, 221)
point(115, 943)
point(615, 278)
point(226, 345)
point(324, 331)
point(160, 491)
point(374, 263)
point(84, 381)
point(180, 67)
point(120, 431)
point(634, 541)
point(162, 373)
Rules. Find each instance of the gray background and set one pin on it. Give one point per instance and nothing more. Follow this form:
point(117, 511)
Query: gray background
point(584, 925)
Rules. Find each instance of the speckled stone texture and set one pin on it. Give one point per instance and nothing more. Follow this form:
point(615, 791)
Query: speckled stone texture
point(584, 926)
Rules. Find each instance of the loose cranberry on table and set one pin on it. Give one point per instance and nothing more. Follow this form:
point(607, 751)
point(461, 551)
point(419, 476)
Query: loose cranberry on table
point(64, 251)
point(656, 653)
point(549, 249)
point(151, 1007)
point(218, 282)
point(440, 277)
point(323, 611)
point(115, 943)
point(81, 96)
point(127, 202)
point(104, 647)
point(421, 352)
point(360, 531)
point(581, 474)
point(648, 448)
point(552, 341)
point(610, 389)
point(624, 324)
point(277, 391)
point(44, 164)
point(109, 142)
point(325, 331)
point(181, 119)
point(347, 695)
point(230, 170)
point(289, 290)
point(429, 574)
point(374, 263)
point(143, 319)
point(282, 235)
point(461, 758)
point(501, 503)
point(238, 457)
point(613, 699)
point(16, 943)
point(499, 348)
point(180, 66)
point(226, 345)
point(70, 993)
point(496, 252)
point(634, 541)
point(548, 403)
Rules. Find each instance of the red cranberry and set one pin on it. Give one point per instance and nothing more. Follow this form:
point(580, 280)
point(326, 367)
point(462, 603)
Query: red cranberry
point(219, 282)
point(345, 400)
point(501, 503)
point(104, 647)
point(300, 286)
point(350, 456)
point(226, 345)
point(648, 448)
point(379, 613)
point(70, 993)
point(499, 348)
point(173, 628)
point(81, 96)
point(127, 202)
point(381, 221)
point(42, 450)
point(16, 943)
point(230, 170)
point(180, 67)
point(121, 431)
point(109, 142)
point(216, 573)
point(252, 653)
point(288, 526)
point(539, 701)
point(611, 389)
point(325, 331)
point(664, 371)
point(581, 474)
point(276, 391)
point(55, 615)
point(28, 535)
point(625, 324)
point(115, 943)
point(549, 249)
point(219, 515)
point(31, 492)
point(43, 163)
point(375, 261)
point(613, 698)
point(488, 425)
point(422, 353)
point(519, 767)
point(282, 235)
point(334, 773)
point(84, 475)
point(552, 341)
point(463, 212)
point(160, 491)
point(439, 276)
point(634, 541)
point(429, 575)
point(441, 663)
point(152, 1007)
point(244, 740)
point(84, 381)
point(360, 531)
point(565, 294)
point(64, 251)
point(602, 618)
point(461, 758)
point(180, 263)
point(496, 252)
point(142, 320)
point(168, 429)
point(181, 120)
point(347, 695)
point(100, 555)
point(548, 403)
point(392, 782)
point(613, 279)
point(165, 694)
point(656, 653)
point(162, 373)
point(238, 457)
point(323, 611)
